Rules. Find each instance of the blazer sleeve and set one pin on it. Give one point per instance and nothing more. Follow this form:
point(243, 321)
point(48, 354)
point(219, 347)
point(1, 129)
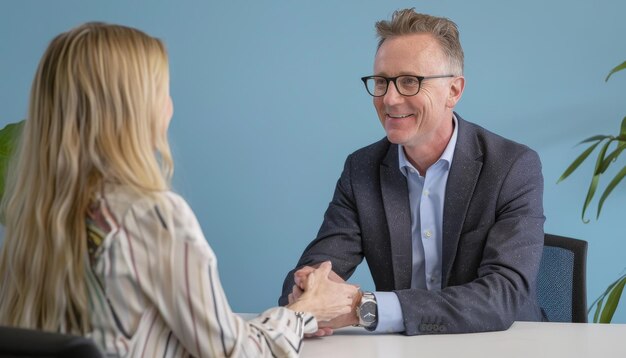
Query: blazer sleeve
point(504, 287)
point(339, 237)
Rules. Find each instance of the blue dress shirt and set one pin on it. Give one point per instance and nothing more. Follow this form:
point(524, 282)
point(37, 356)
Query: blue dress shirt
point(426, 197)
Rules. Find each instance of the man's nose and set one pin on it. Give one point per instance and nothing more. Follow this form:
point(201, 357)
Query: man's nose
point(392, 96)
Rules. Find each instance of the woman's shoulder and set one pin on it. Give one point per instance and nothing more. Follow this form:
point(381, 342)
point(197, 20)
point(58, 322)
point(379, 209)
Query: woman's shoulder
point(162, 216)
point(123, 201)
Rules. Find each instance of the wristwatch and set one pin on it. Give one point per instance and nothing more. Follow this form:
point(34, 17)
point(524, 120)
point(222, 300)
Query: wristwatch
point(367, 311)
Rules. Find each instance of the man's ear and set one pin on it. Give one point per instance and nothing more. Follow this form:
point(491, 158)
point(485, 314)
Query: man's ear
point(457, 85)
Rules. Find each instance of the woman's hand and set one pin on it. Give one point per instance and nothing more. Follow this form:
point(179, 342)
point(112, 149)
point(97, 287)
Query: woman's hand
point(324, 298)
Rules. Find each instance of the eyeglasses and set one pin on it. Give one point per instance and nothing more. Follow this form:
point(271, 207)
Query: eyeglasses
point(406, 85)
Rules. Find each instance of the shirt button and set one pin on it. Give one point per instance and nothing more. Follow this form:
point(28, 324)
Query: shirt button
point(427, 233)
point(426, 192)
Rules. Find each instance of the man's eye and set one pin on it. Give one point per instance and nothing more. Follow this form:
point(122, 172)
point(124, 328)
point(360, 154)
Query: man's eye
point(409, 81)
point(380, 82)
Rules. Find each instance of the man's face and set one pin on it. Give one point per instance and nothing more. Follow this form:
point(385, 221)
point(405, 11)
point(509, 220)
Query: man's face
point(420, 119)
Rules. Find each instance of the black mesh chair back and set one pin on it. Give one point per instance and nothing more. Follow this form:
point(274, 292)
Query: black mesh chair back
point(561, 282)
point(18, 342)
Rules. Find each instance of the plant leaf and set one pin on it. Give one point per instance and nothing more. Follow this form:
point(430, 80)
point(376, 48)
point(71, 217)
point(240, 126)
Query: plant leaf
point(593, 185)
point(609, 188)
point(595, 179)
point(612, 157)
point(576, 163)
point(598, 302)
point(596, 315)
point(594, 303)
point(601, 298)
point(590, 193)
point(8, 140)
point(8, 134)
point(616, 69)
point(598, 137)
point(612, 301)
point(601, 155)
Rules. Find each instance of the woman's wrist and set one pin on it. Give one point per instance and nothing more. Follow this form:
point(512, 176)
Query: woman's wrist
point(299, 306)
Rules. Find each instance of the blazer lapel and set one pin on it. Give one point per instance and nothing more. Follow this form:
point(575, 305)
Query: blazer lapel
point(462, 179)
point(396, 204)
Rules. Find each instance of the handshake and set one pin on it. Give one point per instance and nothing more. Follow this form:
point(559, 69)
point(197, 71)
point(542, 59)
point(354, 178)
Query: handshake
point(321, 292)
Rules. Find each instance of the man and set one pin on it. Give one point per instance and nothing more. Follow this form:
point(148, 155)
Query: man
point(448, 215)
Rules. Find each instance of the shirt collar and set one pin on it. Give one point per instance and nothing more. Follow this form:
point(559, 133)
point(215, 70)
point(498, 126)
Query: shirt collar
point(446, 156)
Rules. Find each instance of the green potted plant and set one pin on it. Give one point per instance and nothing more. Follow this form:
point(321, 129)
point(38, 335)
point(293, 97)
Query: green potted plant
point(611, 146)
point(8, 140)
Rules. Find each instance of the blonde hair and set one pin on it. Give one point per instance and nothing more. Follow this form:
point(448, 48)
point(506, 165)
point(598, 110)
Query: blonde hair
point(407, 21)
point(96, 115)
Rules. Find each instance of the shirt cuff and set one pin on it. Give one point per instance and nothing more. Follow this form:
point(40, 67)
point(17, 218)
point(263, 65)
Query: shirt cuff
point(390, 319)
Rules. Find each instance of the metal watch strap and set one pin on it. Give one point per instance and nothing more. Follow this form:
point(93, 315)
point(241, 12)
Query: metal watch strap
point(367, 311)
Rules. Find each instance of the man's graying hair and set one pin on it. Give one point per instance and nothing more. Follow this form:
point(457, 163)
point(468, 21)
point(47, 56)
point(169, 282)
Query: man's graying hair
point(407, 21)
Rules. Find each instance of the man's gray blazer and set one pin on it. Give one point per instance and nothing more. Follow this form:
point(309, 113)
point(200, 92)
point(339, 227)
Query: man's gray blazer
point(492, 233)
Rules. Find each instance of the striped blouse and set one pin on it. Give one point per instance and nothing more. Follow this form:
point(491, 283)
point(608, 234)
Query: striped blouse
point(154, 289)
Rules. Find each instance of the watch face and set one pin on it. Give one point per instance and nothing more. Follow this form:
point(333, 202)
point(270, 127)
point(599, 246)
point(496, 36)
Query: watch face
point(368, 312)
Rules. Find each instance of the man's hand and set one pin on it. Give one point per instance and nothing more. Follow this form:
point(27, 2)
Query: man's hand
point(348, 319)
point(325, 327)
point(300, 277)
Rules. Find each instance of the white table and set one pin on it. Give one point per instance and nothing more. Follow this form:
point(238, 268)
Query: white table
point(523, 340)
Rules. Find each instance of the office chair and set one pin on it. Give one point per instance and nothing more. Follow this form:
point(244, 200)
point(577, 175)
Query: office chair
point(561, 282)
point(19, 342)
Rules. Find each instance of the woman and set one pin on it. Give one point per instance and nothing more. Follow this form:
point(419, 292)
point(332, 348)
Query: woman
point(96, 244)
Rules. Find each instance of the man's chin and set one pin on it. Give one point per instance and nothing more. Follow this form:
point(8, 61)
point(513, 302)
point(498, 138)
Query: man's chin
point(395, 138)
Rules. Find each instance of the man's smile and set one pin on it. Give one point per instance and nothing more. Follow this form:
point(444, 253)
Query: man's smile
point(398, 116)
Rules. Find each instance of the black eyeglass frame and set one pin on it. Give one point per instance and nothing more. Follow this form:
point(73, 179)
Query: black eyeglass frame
point(420, 79)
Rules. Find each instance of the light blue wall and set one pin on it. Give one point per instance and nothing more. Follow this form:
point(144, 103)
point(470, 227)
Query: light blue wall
point(268, 103)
